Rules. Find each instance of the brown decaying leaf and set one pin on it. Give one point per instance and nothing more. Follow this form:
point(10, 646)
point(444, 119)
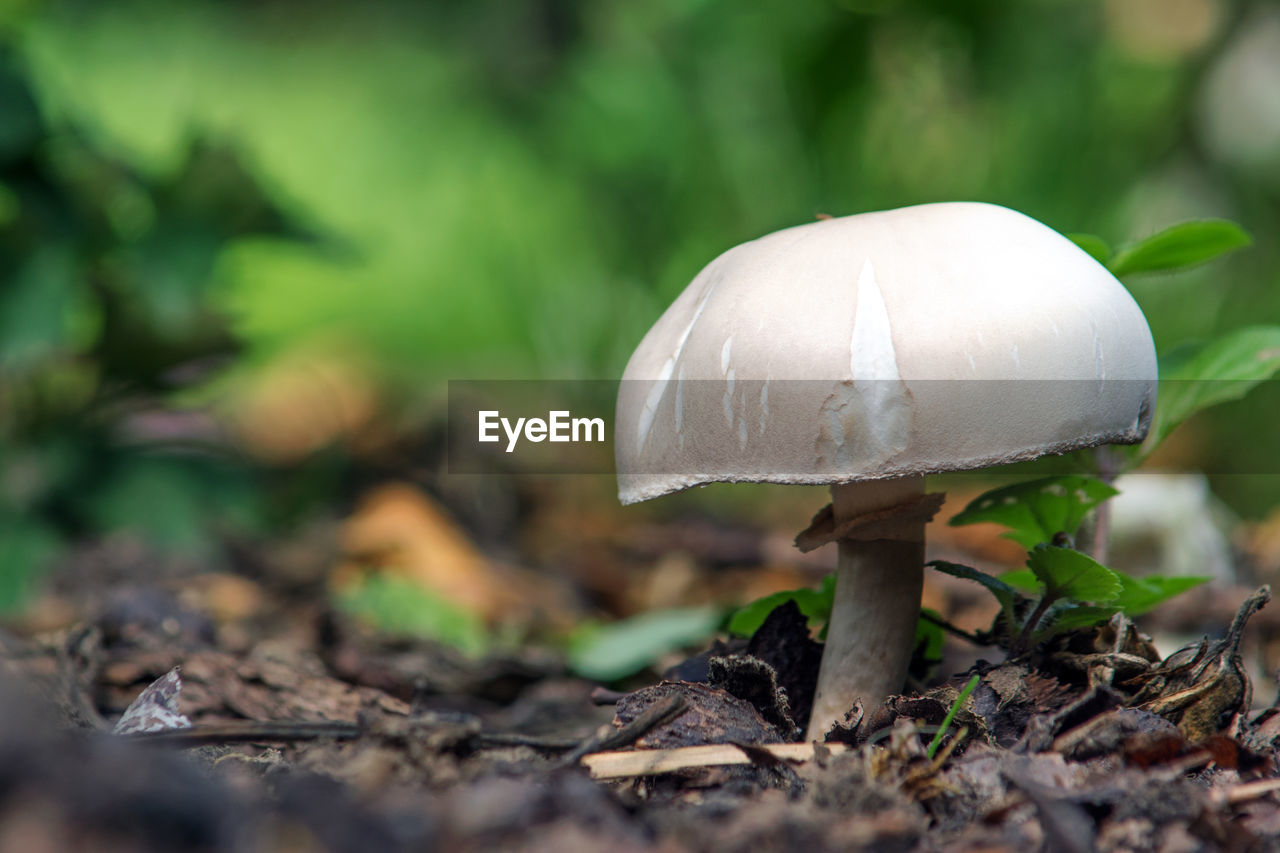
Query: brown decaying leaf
point(784, 642)
point(1203, 692)
point(1107, 732)
point(397, 529)
point(846, 730)
point(930, 709)
point(274, 682)
point(711, 716)
point(754, 681)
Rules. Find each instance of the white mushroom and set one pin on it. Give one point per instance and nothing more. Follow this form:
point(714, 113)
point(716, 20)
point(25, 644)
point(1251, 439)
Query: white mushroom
point(864, 353)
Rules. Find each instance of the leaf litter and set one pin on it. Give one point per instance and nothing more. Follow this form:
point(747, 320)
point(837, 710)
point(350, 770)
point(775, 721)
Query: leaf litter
point(326, 731)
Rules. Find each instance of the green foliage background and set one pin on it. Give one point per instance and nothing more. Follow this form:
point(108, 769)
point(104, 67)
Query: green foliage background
point(539, 178)
point(512, 188)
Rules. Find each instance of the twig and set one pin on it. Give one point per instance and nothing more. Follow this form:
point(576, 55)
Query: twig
point(1023, 644)
point(1251, 605)
point(500, 740)
point(246, 732)
point(648, 720)
point(252, 731)
point(954, 629)
point(1242, 793)
point(651, 762)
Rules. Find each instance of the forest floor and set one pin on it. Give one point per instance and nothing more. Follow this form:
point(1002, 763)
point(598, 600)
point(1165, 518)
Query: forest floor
point(257, 717)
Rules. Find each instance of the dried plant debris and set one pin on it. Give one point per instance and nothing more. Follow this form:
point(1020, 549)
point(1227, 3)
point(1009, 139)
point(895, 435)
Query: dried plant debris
point(754, 681)
point(1009, 696)
point(1203, 688)
point(1111, 731)
point(784, 643)
point(847, 729)
point(156, 708)
point(710, 715)
point(698, 667)
point(1093, 742)
point(928, 713)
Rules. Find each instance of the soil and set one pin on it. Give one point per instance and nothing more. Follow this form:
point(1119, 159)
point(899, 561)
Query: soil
point(188, 710)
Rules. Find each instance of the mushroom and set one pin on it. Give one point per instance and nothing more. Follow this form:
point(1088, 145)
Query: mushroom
point(863, 353)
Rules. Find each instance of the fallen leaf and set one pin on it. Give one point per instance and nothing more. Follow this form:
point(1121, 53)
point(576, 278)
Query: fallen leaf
point(399, 530)
point(156, 708)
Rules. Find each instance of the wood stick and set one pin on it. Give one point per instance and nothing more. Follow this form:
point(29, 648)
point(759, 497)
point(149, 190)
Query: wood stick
point(657, 714)
point(246, 731)
point(1245, 791)
point(649, 762)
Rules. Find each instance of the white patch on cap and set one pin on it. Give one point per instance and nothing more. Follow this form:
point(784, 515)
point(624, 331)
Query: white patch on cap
point(1099, 369)
point(654, 398)
point(885, 407)
point(871, 354)
point(764, 404)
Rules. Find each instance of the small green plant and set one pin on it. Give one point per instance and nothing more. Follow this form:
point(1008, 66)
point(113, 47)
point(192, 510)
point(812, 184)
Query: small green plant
point(1062, 588)
point(1069, 588)
point(963, 696)
point(1179, 247)
point(814, 604)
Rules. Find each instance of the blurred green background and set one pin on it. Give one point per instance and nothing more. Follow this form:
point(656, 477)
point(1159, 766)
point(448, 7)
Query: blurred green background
point(245, 242)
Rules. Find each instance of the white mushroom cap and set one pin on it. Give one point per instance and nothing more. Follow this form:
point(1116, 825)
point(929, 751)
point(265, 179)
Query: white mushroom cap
point(932, 338)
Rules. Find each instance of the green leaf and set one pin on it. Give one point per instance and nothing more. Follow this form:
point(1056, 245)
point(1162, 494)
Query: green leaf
point(399, 606)
point(1195, 377)
point(1036, 510)
point(1094, 245)
point(961, 698)
point(1023, 580)
point(1187, 244)
point(618, 649)
point(1072, 616)
point(1139, 595)
point(38, 303)
point(1003, 592)
point(815, 604)
point(1067, 573)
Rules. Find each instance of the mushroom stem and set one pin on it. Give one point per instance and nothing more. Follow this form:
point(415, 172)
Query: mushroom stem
point(872, 629)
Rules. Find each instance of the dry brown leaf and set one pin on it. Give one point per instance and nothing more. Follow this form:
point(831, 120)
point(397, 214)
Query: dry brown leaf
point(399, 530)
point(305, 400)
